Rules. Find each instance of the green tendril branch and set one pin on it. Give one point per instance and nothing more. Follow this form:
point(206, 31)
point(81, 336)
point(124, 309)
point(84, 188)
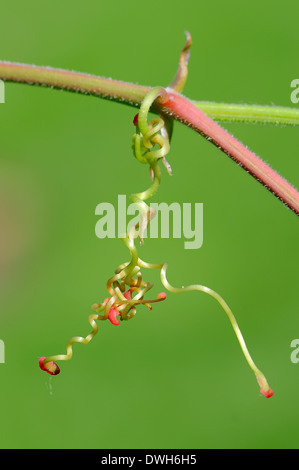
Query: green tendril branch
point(126, 287)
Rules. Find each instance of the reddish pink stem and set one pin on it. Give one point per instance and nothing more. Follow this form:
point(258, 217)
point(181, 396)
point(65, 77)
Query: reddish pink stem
point(184, 111)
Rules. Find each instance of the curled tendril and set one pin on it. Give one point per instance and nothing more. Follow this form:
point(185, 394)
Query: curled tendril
point(262, 381)
point(126, 287)
point(149, 146)
point(122, 303)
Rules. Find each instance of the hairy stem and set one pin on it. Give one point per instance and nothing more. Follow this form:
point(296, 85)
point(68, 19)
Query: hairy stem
point(177, 106)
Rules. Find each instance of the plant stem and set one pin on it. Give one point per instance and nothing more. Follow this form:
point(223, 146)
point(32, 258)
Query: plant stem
point(249, 113)
point(87, 84)
point(189, 114)
point(177, 106)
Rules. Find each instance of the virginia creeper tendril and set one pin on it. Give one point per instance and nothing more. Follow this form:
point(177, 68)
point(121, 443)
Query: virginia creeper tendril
point(126, 287)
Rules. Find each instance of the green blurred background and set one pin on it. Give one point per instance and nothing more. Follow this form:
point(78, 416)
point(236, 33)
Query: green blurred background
point(174, 377)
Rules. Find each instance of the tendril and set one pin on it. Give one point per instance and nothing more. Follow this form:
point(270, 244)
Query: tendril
point(180, 79)
point(126, 287)
point(149, 146)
